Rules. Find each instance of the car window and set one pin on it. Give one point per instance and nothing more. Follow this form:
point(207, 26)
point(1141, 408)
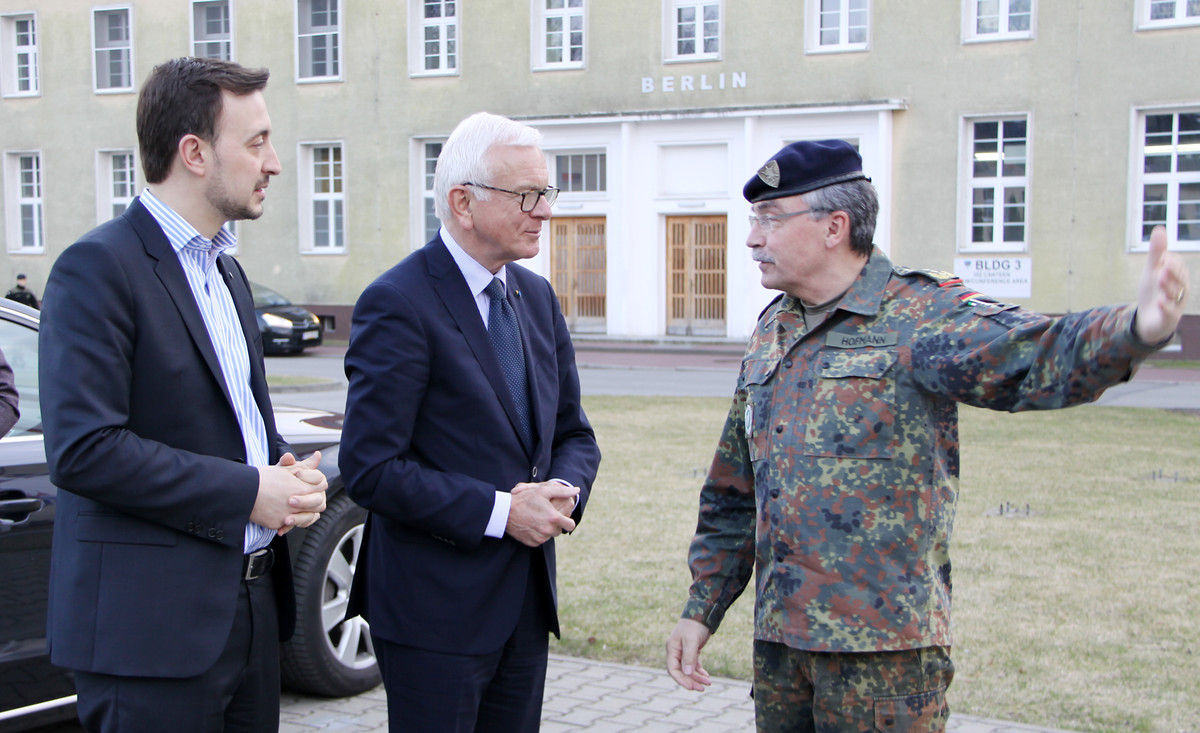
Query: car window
point(20, 347)
point(265, 297)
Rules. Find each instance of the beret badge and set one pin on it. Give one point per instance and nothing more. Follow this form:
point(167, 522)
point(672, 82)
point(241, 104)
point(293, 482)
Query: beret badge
point(769, 173)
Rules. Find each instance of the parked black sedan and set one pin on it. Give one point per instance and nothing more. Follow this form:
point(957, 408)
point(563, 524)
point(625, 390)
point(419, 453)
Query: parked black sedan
point(326, 656)
point(286, 328)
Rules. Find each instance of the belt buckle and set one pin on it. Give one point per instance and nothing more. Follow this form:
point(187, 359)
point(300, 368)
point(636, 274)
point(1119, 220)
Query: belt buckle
point(258, 564)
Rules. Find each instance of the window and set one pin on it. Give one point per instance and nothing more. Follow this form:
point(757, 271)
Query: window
point(691, 30)
point(23, 199)
point(116, 183)
point(19, 61)
point(212, 30)
point(324, 228)
point(999, 20)
point(1167, 13)
point(432, 223)
point(581, 172)
point(1168, 177)
point(112, 42)
point(433, 37)
point(996, 173)
point(837, 25)
point(318, 53)
point(558, 33)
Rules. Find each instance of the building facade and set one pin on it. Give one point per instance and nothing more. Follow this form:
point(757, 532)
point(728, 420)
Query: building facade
point(1026, 145)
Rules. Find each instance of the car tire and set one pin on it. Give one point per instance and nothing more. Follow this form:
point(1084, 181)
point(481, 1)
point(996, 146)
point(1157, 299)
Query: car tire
point(328, 656)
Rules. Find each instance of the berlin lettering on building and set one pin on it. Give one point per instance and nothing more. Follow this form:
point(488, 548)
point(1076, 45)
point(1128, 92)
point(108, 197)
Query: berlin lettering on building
point(691, 83)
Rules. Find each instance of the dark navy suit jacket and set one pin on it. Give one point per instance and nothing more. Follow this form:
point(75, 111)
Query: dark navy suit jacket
point(144, 445)
point(430, 435)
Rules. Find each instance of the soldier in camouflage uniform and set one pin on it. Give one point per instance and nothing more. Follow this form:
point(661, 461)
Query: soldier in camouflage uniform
point(836, 475)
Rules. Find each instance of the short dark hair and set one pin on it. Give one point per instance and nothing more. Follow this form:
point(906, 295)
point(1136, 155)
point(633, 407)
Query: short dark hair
point(183, 97)
point(860, 202)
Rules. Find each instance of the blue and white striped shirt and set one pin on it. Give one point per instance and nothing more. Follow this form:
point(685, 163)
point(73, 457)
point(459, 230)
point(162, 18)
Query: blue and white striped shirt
point(198, 256)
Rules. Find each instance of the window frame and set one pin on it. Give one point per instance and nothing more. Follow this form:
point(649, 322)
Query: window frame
point(427, 217)
point(539, 16)
point(970, 23)
point(671, 54)
point(338, 63)
point(14, 201)
point(308, 198)
point(106, 196)
point(193, 29)
point(130, 61)
point(968, 179)
point(1144, 10)
point(1173, 180)
point(10, 81)
point(417, 24)
point(568, 192)
point(813, 30)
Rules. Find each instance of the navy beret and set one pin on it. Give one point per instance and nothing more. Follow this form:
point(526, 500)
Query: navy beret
point(805, 166)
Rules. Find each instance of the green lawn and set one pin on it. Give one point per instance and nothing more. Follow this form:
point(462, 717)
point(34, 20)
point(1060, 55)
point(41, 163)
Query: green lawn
point(1082, 615)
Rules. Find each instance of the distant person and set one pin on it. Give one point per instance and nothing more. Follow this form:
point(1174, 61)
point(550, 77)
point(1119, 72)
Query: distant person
point(9, 412)
point(22, 294)
point(835, 479)
point(465, 438)
point(170, 581)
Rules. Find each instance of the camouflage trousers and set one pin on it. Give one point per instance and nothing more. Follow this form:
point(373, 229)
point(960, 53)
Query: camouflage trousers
point(810, 692)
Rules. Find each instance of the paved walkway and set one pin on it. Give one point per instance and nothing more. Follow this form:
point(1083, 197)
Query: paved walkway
point(583, 696)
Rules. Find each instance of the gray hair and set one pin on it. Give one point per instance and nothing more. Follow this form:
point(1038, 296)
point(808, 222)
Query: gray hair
point(860, 202)
point(464, 156)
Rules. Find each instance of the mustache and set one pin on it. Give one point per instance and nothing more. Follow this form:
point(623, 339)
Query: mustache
point(761, 257)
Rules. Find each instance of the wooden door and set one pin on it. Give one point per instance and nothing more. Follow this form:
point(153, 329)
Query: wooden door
point(696, 277)
point(579, 272)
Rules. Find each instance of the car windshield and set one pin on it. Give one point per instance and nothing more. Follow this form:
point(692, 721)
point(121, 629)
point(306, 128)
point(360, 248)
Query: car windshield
point(265, 297)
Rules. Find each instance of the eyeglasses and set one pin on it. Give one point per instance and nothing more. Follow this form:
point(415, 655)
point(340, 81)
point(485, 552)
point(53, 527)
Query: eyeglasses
point(529, 199)
point(771, 223)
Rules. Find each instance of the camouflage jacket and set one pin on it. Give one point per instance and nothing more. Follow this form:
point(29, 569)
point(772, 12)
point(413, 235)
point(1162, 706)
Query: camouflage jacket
point(836, 474)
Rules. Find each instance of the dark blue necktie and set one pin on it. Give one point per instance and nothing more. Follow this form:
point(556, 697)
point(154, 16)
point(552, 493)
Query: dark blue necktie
point(506, 340)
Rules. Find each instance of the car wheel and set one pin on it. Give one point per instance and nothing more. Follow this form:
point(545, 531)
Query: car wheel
point(328, 656)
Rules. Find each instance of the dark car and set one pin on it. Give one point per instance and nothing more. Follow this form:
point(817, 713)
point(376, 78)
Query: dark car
point(286, 328)
point(326, 657)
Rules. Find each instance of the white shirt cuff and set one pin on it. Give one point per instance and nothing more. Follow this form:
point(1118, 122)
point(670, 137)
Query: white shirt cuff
point(499, 520)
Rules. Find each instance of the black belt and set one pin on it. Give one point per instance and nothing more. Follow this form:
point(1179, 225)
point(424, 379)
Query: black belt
point(257, 563)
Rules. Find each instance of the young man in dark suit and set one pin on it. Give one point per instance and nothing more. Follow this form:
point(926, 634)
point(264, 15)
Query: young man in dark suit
point(170, 585)
point(465, 438)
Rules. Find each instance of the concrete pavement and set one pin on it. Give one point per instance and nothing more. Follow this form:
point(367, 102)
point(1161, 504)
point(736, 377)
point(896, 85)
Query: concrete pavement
point(584, 696)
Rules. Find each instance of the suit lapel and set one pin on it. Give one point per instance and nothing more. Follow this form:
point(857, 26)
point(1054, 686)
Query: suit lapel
point(522, 307)
point(170, 273)
point(243, 303)
point(452, 288)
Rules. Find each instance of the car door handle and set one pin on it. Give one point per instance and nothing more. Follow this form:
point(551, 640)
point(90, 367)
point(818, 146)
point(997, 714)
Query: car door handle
point(18, 510)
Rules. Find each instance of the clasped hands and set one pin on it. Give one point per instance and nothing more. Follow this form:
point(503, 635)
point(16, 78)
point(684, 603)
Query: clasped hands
point(541, 511)
point(290, 494)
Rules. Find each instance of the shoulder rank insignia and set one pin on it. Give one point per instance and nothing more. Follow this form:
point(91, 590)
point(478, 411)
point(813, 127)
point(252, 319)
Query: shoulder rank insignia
point(943, 278)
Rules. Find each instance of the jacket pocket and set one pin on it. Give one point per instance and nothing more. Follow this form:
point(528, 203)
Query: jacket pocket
point(757, 414)
point(123, 529)
point(854, 406)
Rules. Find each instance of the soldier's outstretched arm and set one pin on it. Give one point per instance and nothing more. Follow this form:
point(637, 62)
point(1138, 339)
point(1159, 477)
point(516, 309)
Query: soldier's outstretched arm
point(1162, 293)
